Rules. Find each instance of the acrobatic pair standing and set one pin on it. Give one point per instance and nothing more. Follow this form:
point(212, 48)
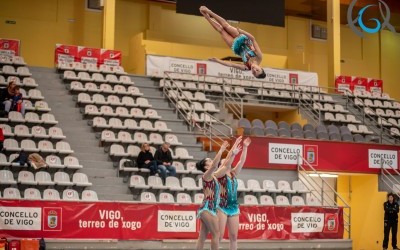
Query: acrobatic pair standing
point(220, 206)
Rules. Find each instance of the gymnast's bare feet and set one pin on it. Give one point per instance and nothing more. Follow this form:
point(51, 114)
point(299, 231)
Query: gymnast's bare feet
point(204, 10)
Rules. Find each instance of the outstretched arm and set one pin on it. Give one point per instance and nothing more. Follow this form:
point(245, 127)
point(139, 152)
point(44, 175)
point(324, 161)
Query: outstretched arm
point(226, 166)
point(243, 157)
point(229, 64)
point(208, 174)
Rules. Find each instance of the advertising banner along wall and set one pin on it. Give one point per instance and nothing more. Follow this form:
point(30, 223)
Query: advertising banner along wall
point(72, 53)
point(138, 221)
point(9, 47)
point(281, 153)
point(157, 65)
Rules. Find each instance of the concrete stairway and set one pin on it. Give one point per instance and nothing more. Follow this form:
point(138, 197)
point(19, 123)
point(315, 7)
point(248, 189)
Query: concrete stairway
point(96, 163)
point(163, 107)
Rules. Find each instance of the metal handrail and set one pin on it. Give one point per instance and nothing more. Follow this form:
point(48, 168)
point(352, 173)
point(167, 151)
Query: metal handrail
point(305, 173)
point(210, 120)
point(376, 125)
point(390, 179)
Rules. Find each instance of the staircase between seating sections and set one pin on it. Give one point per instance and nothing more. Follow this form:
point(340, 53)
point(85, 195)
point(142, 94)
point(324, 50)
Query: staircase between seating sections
point(211, 130)
point(96, 163)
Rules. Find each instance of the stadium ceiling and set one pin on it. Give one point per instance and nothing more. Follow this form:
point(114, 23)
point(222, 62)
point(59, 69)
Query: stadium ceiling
point(316, 9)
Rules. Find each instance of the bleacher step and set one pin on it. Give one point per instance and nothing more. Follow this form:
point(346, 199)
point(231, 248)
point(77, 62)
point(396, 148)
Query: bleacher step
point(95, 172)
point(115, 197)
point(106, 180)
point(112, 188)
point(97, 164)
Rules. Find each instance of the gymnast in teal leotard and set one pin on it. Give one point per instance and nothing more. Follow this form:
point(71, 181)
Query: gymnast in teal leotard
point(242, 43)
point(207, 212)
point(228, 209)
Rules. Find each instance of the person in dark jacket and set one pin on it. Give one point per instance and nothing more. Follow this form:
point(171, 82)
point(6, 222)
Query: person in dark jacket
point(391, 216)
point(145, 159)
point(164, 160)
point(6, 94)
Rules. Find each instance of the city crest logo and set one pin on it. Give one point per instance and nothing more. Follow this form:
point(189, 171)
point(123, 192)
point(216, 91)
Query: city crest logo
point(384, 11)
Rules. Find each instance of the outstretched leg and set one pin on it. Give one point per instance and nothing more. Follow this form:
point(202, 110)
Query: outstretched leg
point(232, 31)
point(228, 39)
point(233, 229)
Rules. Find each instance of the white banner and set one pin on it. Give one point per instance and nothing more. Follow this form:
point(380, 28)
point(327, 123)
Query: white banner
point(176, 221)
point(307, 222)
point(157, 65)
point(284, 153)
point(389, 158)
point(20, 218)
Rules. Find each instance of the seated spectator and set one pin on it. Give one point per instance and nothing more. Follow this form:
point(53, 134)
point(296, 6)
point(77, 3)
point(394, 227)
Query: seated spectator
point(17, 104)
point(6, 94)
point(33, 160)
point(1, 139)
point(7, 97)
point(145, 159)
point(164, 160)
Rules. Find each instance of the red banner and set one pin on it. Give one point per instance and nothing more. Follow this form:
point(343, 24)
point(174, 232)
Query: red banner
point(88, 55)
point(280, 153)
point(375, 85)
point(72, 53)
point(66, 53)
point(360, 84)
point(9, 47)
point(110, 57)
point(133, 221)
point(343, 83)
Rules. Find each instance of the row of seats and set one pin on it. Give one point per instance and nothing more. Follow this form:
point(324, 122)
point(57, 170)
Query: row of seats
point(187, 95)
point(16, 60)
point(128, 124)
point(280, 200)
point(43, 146)
point(33, 94)
point(90, 67)
point(98, 99)
point(104, 88)
point(37, 132)
point(27, 82)
point(53, 161)
point(20, 71)
point(190, 168)
point(49, 194)
point(368, 95)
point(108, 136)
point(43, 178)
point(95, 77)
point(387, 113)
point(188, 79)
point(117, 150)
point(122, 112)
point(377, 104)
point(340, 118)
point(198, 107)
point(335, 108)
point(184, 198)
point(173, 184)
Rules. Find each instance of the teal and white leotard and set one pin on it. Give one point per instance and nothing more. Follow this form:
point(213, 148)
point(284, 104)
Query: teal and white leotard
point(242, 46)
point(228, 203)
